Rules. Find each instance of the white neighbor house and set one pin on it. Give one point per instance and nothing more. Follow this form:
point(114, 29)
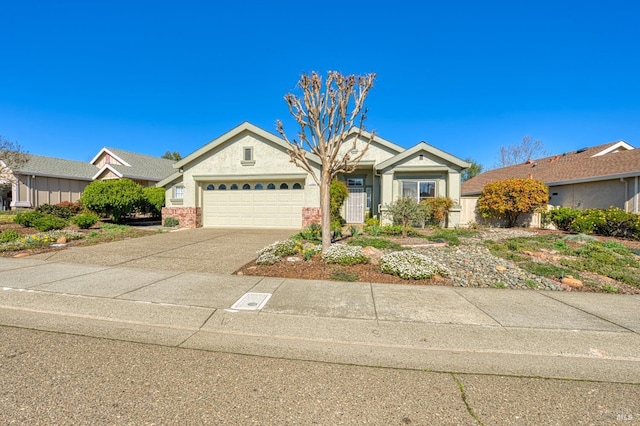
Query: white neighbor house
point(245, 178)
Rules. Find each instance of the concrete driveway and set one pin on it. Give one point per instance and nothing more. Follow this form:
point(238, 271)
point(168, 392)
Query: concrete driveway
point(221, 251)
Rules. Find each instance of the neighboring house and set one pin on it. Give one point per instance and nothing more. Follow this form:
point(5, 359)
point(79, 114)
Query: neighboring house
point(597, 177)
point(245, 178)
point(48, 180)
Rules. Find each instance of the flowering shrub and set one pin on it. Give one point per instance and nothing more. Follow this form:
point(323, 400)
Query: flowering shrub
point(280, 248)
point(411, 266)
point(510, 197)
point(344, 255)
point(267, 258)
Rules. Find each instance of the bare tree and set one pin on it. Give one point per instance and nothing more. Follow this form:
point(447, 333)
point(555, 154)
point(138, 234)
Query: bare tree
point(12, 156)
point(326, 114)
point(529, 149)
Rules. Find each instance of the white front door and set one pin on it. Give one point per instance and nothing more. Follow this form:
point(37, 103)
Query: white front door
point(355, 205)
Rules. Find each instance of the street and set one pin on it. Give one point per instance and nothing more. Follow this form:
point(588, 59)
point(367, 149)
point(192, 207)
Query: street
point(55, 378)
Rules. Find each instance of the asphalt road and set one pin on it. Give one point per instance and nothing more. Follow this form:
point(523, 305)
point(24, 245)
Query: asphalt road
point(53, 378)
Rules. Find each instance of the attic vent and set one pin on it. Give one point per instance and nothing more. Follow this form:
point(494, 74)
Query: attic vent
point(581, 150)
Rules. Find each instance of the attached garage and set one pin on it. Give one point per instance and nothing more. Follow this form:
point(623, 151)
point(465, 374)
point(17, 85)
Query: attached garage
point(253, 205)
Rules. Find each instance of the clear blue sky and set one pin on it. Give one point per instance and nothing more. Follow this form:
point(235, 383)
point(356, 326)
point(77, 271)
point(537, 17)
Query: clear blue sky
point(464, 76)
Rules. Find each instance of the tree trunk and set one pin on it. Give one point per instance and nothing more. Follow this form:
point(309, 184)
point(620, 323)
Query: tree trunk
point(325, 209)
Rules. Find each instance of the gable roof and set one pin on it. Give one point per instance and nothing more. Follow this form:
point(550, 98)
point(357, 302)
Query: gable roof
point(602, 162)
point(38, 165)
point(424, 147)
point(245, 126)
point(134, 165)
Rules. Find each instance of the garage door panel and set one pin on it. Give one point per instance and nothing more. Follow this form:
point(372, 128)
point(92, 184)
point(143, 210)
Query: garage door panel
point(255, 209)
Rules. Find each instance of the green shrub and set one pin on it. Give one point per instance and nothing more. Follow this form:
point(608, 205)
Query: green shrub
point(27, 219)
point(152, 201)
point(562, 218)
point(344, 255)
point(114, 197)
point(411, 265)
point(9, 235)
point(170, 222)
point(48, 222)
point(64, 210)
point(373, 230)
point(338, 193)
point(85, 220)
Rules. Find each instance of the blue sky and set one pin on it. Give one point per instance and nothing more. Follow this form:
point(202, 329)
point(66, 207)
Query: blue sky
point(464, 76)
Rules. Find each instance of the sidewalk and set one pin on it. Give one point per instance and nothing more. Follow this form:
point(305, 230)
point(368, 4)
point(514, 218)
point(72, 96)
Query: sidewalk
point(484, 331)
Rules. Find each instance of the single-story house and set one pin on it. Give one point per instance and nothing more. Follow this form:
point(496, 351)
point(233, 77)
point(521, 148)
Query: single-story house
point(597, 177)
point(47, 180)
point(244, 178)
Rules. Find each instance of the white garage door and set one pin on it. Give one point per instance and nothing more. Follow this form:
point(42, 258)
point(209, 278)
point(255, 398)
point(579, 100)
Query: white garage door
point(277, 208)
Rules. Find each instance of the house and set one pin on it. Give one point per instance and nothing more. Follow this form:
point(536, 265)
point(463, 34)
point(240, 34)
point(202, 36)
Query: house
point(244, 178)
point(47, 180)
point(597, 177)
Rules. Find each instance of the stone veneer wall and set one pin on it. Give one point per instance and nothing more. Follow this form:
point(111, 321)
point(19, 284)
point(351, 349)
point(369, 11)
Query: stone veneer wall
point(189, 217)
point(310, 215)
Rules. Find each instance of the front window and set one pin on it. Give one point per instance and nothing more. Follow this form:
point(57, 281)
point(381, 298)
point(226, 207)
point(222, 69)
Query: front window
point(178, 192)
point(248, 153)
point(419, 190)
point(355, 182)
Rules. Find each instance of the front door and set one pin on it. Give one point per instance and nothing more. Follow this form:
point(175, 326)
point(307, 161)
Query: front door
point(355, 205)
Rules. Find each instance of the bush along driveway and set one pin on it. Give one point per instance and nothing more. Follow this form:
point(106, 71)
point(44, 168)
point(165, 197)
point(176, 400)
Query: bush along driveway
point(497, 258)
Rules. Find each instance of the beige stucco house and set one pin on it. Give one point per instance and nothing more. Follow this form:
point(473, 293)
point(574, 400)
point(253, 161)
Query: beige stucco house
point(245, 178)
point(49, 180)
point(596, 177)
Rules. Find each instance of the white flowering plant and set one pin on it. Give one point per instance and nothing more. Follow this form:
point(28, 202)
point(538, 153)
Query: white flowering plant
point(280, 248)
point(411, 266)
point(344, 255)
point(267, 258)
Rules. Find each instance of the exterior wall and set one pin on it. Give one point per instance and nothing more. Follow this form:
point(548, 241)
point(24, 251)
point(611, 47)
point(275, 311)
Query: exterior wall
point(35, 191)
point(376, 153)
point(188, 217)
point(593, 195)
point(310, 215)
point(227, 160)
point(106, 159)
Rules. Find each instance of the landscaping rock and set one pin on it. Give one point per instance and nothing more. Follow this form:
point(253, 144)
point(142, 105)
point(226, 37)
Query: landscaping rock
point(373, 254)
point(501, 268)
point(571, 282)
point(293, 259)
point(61, 240)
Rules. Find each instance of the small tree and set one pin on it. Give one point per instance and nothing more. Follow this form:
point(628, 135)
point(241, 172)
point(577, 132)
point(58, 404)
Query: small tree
point(325, 114)
point(114, 197)
point(405, 211)
point(474, 169)
point(175, 156)
point(511, 197)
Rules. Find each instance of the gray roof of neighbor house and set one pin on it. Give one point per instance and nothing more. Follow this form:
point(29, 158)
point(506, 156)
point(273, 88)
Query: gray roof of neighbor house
point(39, 165)
point(141, 166)
point(600, 162)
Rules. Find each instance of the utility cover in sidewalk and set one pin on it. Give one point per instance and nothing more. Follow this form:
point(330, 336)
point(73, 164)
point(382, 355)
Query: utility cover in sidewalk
point(252, 301)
